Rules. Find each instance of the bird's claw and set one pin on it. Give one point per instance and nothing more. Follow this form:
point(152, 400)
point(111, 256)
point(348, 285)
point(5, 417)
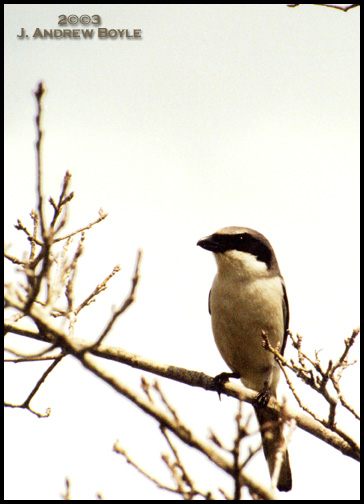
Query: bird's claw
point(262, 399)
point(221, 379)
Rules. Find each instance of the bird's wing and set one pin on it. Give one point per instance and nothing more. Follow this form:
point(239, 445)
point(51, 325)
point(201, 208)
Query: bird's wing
point(285, 308)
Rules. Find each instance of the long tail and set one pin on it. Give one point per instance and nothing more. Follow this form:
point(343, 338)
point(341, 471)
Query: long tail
point(271, 439)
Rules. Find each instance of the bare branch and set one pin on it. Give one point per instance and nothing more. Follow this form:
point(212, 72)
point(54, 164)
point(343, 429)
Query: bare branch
point(128, 301)
point(332, 6)
point(99, 288)
point(35, 217)
point(26, 403)
point(118, 449)
point(101, 217)
point(27, 358)
point(20, 227)
point(317, 382)
point(39, 95)
point(14, 260)
point(52, 334)
point(63, 200)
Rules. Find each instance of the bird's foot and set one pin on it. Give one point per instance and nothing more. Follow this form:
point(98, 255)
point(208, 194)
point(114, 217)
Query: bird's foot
point(263, 397)
point(221, 379)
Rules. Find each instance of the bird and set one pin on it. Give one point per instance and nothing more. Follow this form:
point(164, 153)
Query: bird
point(248, 296)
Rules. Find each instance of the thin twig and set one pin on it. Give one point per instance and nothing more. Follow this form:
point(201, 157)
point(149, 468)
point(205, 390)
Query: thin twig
point(118, 449)
point(332, 6)
point(101, 217)
point(39, 95)
point(99, 288)
point(26, 403)
point(128, 301)
point(14, 260)
point(62, 199)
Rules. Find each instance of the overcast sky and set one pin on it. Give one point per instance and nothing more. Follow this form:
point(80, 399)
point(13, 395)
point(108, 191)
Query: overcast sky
point(217, 115)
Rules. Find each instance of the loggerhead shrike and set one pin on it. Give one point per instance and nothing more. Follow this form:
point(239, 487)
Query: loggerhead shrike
point(248, 296)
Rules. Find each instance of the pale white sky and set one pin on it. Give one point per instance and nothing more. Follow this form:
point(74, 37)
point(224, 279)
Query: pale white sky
point(219, 115)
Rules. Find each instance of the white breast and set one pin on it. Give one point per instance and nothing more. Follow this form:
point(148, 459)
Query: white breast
point(240, 309)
